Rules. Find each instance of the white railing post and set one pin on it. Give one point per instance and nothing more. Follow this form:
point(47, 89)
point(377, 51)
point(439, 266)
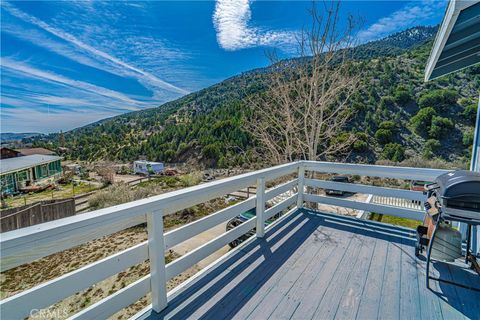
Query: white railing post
point(301, 186)
point(156, 253)
point(260, 207)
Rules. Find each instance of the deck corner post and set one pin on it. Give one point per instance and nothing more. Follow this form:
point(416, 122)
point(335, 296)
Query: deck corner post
point(301, 186)
point(156, 253)
point(260, 207)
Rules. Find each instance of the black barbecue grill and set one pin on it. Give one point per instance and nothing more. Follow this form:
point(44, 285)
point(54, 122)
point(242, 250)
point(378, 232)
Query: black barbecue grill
point(454, 196)
point(459, 196)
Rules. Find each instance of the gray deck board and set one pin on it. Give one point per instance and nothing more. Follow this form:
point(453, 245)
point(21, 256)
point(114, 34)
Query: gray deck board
point(372, 291)
point(320, 283)
point(430, 307)
point(409, 292)
point(264, 278)
point(352, 292)
point(293, 298)
point(470, 302)
point(390, 296)
point(317, 246)
point(318, 266)
point(327, 307)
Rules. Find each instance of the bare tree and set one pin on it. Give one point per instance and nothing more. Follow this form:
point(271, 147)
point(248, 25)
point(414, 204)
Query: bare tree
point(106, 172)
point(306, 105)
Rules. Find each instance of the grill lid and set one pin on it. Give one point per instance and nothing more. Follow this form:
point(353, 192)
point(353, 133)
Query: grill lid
point(461, 184)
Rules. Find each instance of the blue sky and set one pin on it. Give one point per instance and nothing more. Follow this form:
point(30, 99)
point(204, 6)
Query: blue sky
point(66, 64)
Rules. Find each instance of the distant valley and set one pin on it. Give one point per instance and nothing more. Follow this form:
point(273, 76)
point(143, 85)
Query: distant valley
point(12, 136)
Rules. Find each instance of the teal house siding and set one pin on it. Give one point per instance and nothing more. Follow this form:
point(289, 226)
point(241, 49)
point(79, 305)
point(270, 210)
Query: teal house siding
point(36, 169)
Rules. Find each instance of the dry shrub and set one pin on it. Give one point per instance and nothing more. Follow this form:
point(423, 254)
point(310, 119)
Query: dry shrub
point(107, 173)
point(191, 179)
point(118, 194)
point(419, 162)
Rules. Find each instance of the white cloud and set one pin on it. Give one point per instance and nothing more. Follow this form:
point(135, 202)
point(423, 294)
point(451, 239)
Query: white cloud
point(15, 102)
point(32, 72)
point(141, 75)
point(414, 13)
point(147, 51)
point(63, 110)
point(231, 20)
point(61, 101)
point(34, 120)
point(63, 49)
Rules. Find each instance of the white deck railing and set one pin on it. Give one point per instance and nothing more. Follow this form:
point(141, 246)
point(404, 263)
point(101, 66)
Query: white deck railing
point(26, 245)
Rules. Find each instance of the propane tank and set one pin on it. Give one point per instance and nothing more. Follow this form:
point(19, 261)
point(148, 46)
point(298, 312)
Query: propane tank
point(447, 245)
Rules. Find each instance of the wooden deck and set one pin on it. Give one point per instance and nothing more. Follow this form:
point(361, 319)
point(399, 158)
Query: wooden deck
point(319, 266)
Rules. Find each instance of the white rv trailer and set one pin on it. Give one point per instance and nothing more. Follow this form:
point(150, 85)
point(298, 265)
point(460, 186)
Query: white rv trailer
point(147, 167)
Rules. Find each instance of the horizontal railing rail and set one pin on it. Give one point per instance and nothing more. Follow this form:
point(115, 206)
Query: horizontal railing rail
point(366, 189)
point(405, 173)
point(366, 206)
point(370, 207)
point(26, 245)
point(55, 290)
point(280, 207)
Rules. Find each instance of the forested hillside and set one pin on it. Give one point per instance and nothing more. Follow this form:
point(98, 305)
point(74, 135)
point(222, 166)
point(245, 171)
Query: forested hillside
point(397, 115)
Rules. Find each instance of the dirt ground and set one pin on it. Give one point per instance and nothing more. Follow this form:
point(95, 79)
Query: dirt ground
point(126, 178)
point(341, 210)
point(192, 243)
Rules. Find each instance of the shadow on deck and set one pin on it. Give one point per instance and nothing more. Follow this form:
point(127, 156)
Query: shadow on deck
point(314, 265)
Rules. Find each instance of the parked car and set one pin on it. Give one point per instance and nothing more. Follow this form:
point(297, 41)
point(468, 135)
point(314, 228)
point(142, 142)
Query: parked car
point(208, 177)
point(418, 185)
point(241, 218)
point(170, 172)
point(342, 179)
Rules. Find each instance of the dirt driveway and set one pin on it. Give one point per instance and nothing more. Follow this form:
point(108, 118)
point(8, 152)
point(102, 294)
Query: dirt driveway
point(200, 239)
point(126, 178)
point(341, 210)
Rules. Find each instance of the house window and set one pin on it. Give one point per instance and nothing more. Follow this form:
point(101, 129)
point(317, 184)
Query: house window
point(41, 171)
point(7, 184)
point(23, 175)
point(53, 167)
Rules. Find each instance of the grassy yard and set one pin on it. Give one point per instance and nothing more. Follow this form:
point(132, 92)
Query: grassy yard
point(409, 223)
point(62, 192)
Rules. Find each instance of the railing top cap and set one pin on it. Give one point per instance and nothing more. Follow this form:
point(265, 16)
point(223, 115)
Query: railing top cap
point(408, 173)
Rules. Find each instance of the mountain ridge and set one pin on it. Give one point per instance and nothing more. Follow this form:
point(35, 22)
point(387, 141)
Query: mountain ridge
point(392, 44)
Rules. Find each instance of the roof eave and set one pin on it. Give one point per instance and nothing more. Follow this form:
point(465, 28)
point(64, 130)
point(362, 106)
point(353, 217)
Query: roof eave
point(453, 10)
point(31, 166)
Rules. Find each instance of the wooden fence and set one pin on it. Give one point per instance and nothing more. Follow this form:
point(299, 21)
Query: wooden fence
point(43, 211)
point(137, 181)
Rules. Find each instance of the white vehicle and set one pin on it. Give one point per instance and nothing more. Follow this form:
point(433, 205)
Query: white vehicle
point(147, 167)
